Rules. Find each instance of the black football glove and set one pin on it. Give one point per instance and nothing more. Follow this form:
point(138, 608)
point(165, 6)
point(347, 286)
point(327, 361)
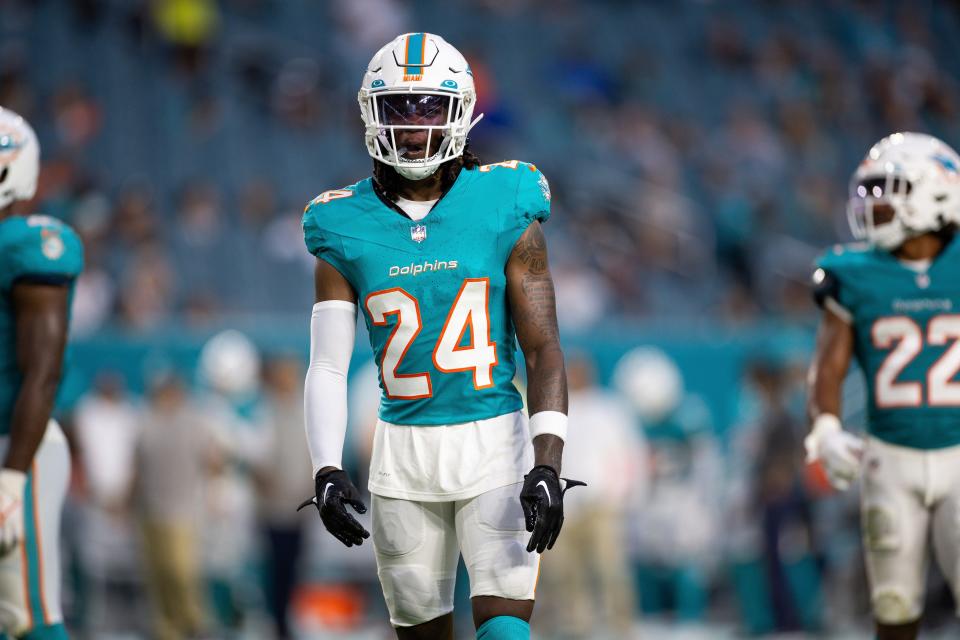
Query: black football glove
point(334, 491)
point(542, 500)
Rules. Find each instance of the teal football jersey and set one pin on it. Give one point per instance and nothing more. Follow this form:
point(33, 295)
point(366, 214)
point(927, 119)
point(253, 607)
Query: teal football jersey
point(907, 341)
point(39, 248)
point(433, 292)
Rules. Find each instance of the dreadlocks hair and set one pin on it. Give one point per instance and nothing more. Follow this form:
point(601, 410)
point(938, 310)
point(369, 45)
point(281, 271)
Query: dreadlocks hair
point(389, 181)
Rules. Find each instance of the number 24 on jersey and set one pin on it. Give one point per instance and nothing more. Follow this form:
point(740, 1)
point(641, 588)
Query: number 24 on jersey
point(470, 310)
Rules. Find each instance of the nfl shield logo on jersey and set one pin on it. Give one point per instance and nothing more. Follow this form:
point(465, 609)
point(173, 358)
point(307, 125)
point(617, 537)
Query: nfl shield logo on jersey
point(418, 233)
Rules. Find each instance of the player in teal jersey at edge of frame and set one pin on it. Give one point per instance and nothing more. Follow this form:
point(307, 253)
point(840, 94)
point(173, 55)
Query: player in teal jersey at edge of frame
point(447, 263)
point(40, 259)
point(893, 302)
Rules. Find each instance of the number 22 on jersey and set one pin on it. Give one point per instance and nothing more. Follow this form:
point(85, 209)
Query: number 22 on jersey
point(906, 338)
point(470, 310)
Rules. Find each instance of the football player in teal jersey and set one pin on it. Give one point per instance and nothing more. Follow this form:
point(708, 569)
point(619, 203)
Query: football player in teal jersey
point(893, 302)
point(446, 262)
point(39, 261)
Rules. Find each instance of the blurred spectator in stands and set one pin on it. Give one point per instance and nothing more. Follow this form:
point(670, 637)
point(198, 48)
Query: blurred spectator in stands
point(77, 116)
point(675, 526)
point(135, 221)
point(257, 204)
point(175, 454)
point(586, 583)
point(188, 27)
point(16, 90)
point(93, 303)
point(283, 473)
point(365, 25)
point(297, 98)
point(147, 291)
point(202, 243)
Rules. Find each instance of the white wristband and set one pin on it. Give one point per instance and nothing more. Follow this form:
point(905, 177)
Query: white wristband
point(552, 422)
point(13, 481)
point(823, 424)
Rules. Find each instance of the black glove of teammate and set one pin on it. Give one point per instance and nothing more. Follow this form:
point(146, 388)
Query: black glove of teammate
point(334, 491)
point(542, 500)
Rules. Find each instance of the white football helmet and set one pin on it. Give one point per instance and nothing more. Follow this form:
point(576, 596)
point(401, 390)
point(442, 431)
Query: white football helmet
point(230, 363)
point(917, 177)
point(19, 158)
point(650, 380)
point(418, 88)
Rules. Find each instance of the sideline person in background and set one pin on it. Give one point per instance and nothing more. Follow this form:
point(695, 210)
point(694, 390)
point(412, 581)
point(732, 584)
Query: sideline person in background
point(282, 475)
point(174, 457)
point(587, 587)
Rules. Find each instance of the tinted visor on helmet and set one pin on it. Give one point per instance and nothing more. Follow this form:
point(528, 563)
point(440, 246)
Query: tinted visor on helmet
point(406, 109)
point(884, 186)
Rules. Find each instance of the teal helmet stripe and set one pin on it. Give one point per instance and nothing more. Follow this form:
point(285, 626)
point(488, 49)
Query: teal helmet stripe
point(414, 54)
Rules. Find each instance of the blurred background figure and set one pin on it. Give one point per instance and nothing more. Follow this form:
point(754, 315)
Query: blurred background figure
point(106, 432)
point(674, 525)
point(106, 423)
point(283, 478)
point(772, 535)
point(229, 372)
point(175, 454)
point(586, 586)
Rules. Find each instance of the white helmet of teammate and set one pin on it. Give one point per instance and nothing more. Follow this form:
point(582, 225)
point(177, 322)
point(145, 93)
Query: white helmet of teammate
point(916, 177)
point(19, 158)
point(417, 82)
point(230, 363)
point(650, 380)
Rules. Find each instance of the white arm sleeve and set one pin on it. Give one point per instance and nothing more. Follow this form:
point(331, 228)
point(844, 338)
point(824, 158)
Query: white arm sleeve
point(333, 329)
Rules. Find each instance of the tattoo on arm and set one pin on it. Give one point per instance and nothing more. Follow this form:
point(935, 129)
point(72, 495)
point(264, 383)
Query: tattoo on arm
point(533, 307)
point(531, 250)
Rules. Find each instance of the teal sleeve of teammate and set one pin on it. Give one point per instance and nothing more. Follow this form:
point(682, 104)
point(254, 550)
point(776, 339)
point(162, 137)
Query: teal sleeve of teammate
point(39, 248)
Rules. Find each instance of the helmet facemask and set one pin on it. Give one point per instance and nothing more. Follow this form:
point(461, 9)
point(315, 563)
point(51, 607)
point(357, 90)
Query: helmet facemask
point(879, 210)
point(416, 131)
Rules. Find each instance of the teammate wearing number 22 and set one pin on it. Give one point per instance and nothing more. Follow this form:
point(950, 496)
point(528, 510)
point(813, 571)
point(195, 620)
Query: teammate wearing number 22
point(894, 303)
point(446, 261)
